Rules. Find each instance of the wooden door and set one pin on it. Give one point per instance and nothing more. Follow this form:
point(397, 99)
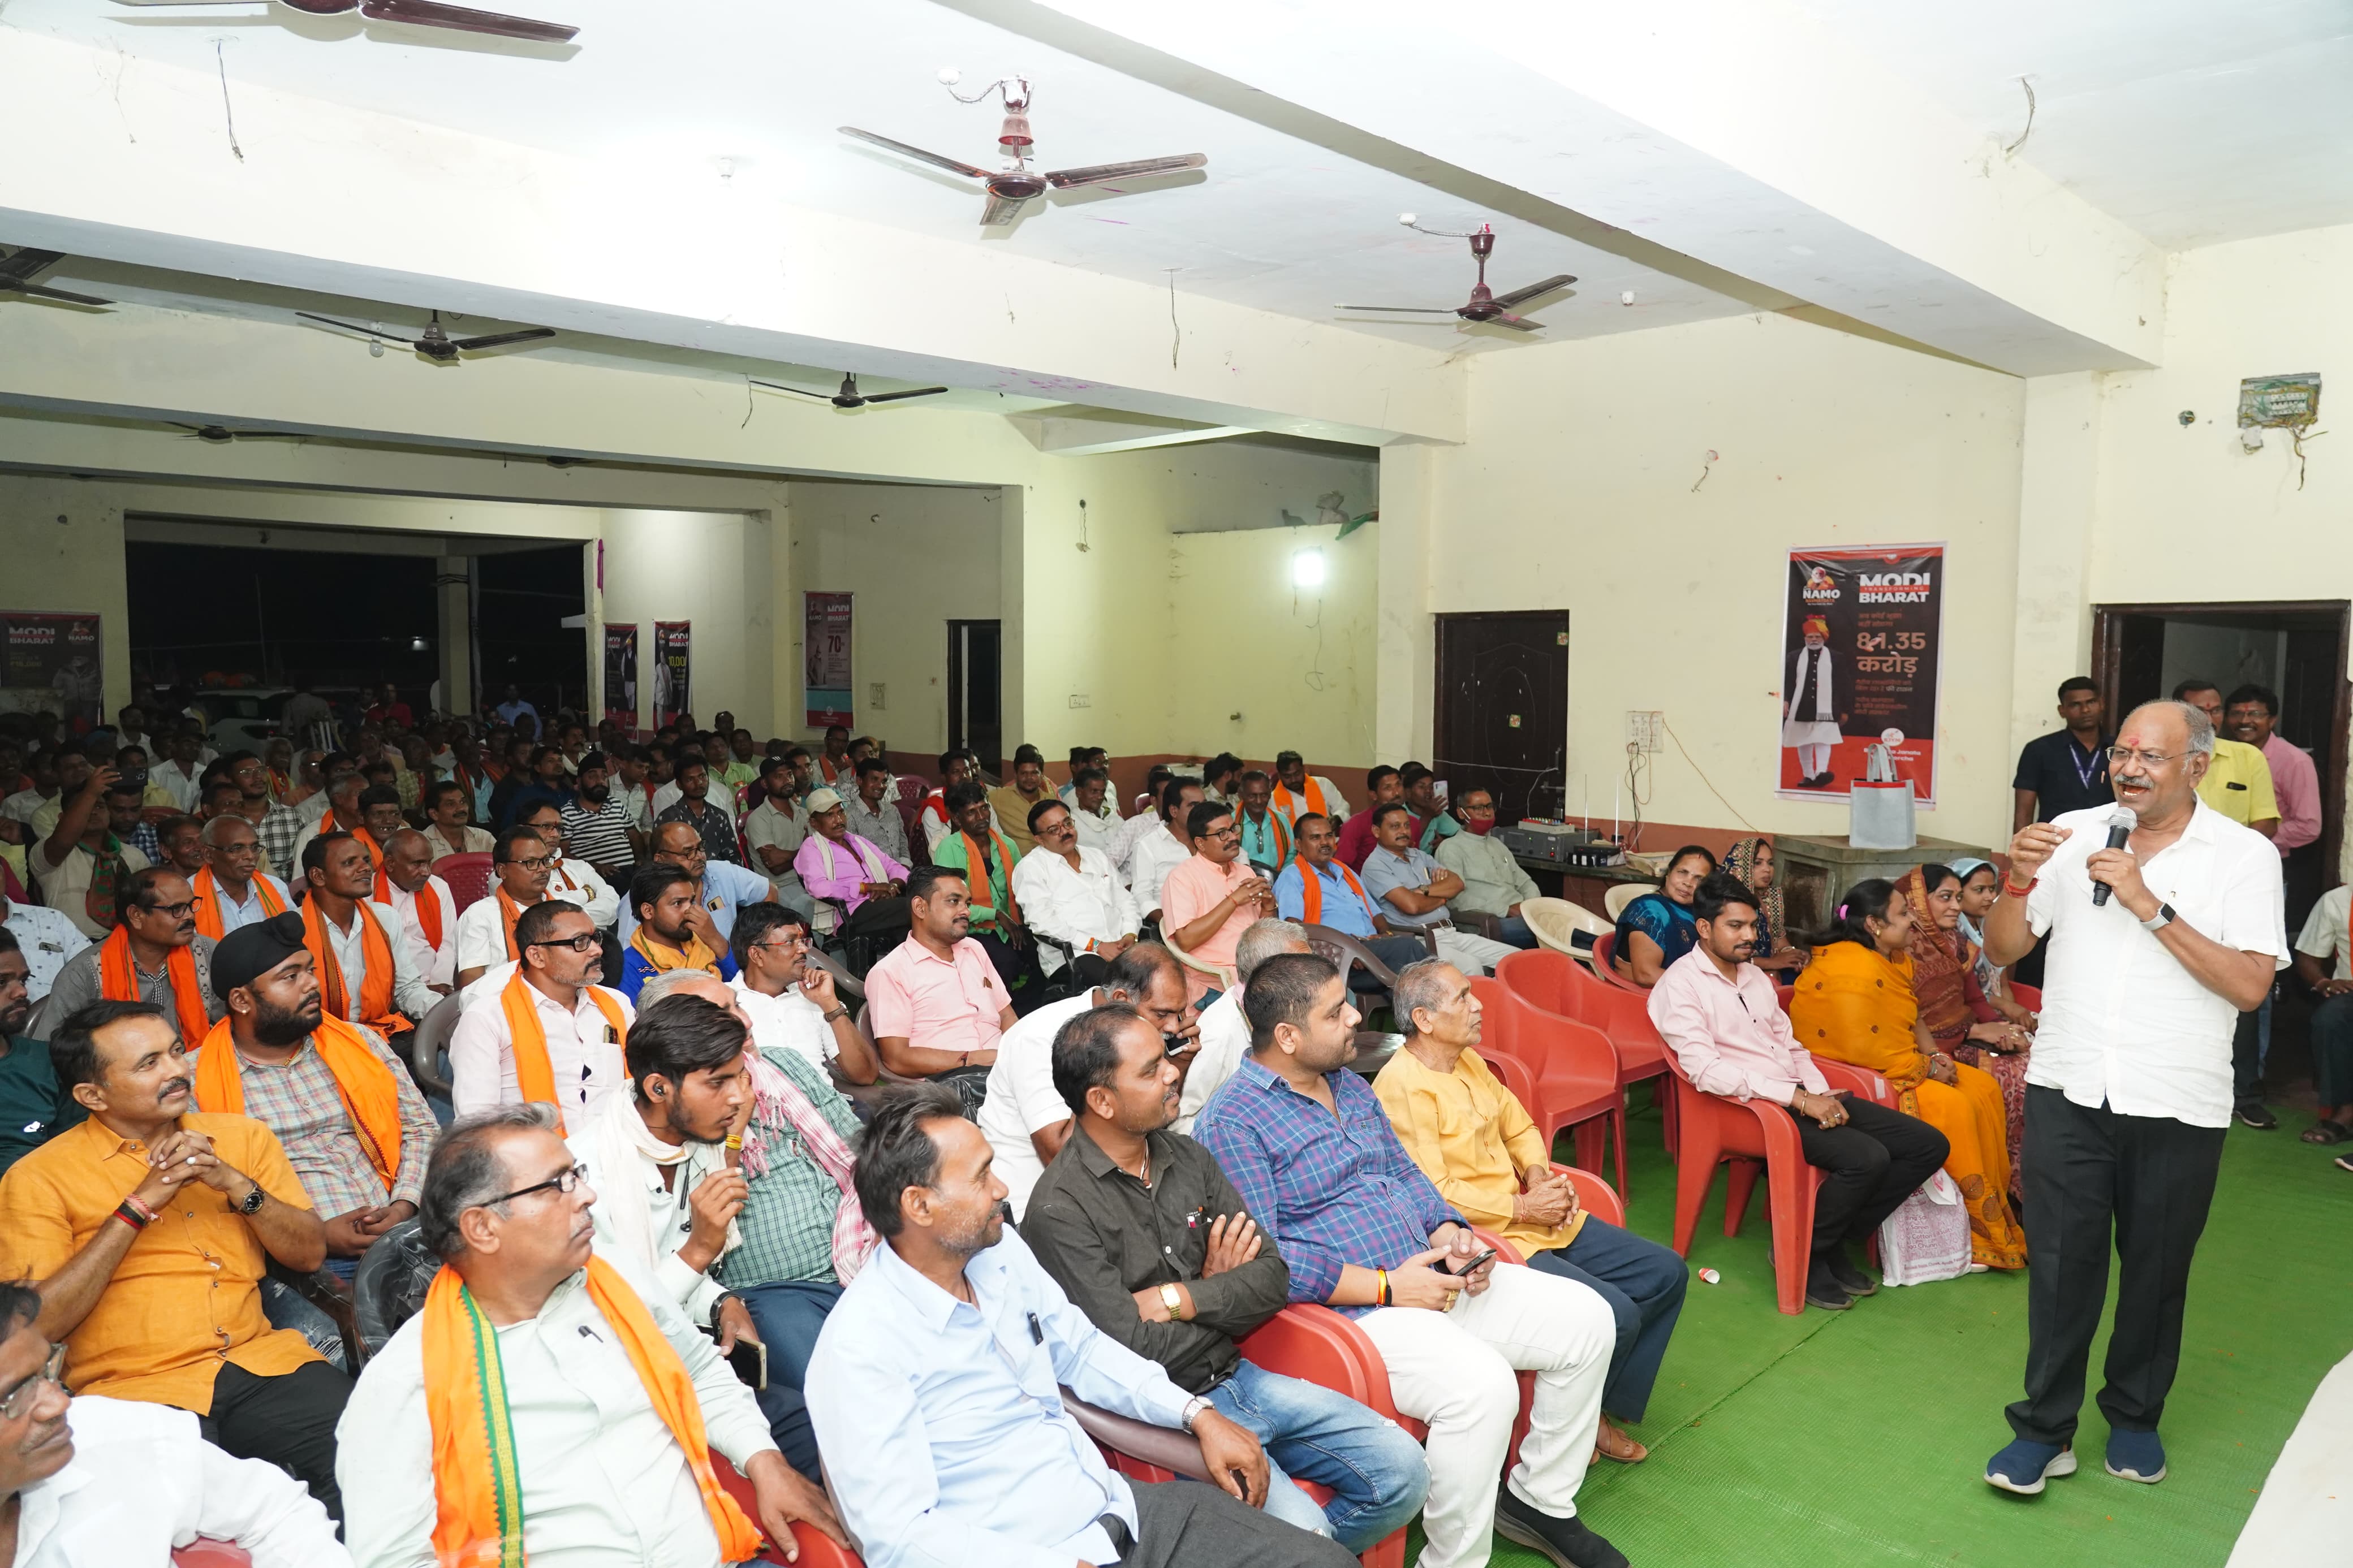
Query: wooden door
point(1502, 718)
point(976, 695)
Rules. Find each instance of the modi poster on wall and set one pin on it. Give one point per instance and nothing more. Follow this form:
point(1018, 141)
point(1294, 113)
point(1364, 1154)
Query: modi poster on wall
point(52, 665)
point(673, 670)
point(621, 677)
point(1860, 658)
point(825, 659)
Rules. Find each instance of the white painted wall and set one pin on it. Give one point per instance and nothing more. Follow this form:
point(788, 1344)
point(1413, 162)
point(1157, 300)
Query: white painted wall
point(710, 569)
point(61, 541)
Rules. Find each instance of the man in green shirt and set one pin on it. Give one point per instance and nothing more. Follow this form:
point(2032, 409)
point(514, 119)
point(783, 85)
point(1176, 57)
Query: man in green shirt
point(32, 1111)
point(995, 915)
point(1493, 881)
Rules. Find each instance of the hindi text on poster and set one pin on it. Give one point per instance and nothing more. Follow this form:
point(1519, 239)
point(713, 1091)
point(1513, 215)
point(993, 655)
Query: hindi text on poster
point(1861, 657)
point(825, 659)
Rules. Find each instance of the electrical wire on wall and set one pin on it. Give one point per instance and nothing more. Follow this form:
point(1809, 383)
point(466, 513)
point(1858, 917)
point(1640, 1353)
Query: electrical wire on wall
point(1314, 674)
point(1639, 778)
point(1678, 740)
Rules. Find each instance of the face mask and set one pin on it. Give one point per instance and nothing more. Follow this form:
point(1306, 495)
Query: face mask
point(1479, 825)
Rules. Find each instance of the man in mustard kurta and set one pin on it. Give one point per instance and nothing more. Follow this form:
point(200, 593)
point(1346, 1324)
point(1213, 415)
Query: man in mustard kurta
point(1479, 1148)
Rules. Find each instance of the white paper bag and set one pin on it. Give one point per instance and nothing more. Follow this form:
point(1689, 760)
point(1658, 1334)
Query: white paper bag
point(1929, 1238)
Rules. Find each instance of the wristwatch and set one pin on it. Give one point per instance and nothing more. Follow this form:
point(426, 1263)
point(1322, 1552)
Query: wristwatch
point(251, 1202)
point(1173, 1299)
point(2159, 921)
point(1193, 1408)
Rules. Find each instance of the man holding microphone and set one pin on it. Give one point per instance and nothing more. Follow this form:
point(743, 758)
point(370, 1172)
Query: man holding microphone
point(2156, 948)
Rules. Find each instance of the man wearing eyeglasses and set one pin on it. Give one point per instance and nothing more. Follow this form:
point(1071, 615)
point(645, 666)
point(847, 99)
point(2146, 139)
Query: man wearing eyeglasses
point(156, 955)
point(486, 928)
point(1210, 900)
point(791, 1002)
point(548, 1032)
point(62, 1463)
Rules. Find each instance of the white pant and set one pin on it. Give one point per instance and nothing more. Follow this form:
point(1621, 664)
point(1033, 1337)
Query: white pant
point(1471, 952)
point(1455, 1370)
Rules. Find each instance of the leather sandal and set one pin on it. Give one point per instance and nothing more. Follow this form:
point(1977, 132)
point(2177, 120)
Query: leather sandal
point(1630, 1453)
point(2327, 1131)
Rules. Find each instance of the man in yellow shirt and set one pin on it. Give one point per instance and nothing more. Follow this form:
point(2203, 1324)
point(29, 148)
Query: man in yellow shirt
point(2238, 783)
point(1480, 1151)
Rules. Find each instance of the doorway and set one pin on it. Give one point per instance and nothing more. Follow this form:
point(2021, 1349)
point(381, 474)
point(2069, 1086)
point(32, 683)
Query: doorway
point(1502, 708)
point(976, 698)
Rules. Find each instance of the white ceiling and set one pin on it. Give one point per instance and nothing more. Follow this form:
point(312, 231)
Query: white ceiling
point(750, 91)
point(2191, 120)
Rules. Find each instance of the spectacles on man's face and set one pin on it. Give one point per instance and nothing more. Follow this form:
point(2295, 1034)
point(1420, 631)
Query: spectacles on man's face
point(785, 943)
point(178, 911)
point(19, 1399)
point(586, 942)
point(2119, 755)
point(540, 863)
point(563, 1181)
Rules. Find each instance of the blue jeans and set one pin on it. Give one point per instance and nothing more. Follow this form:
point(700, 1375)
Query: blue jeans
point(1514, 931)
point(787, 1316)
point(1643, 1283)
point(1376, 1473)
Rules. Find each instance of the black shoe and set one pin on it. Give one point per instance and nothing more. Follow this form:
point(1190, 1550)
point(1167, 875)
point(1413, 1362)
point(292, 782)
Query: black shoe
point(1822, 1290)
point(1846, 1276)
point(1565, 1541)
point(2257, 1115)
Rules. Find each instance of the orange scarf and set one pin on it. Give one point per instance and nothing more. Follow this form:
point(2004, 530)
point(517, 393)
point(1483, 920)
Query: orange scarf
point(371, 1099)
point(375, 983)
point(118, 981)
point(973, 856)
point(1289, 803)
point(1311, 887)
point(478, 1495)
point(429, 908)
point(509, 912)
point(665, 958)
point(208, 904)
point(534, 1074)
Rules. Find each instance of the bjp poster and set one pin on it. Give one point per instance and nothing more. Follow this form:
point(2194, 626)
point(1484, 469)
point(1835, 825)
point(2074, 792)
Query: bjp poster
point(673, 671)
point(825, 657)
point(1860, 661)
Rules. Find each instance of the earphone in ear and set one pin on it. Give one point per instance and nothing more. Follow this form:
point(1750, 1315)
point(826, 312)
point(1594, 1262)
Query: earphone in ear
point(656, 1091)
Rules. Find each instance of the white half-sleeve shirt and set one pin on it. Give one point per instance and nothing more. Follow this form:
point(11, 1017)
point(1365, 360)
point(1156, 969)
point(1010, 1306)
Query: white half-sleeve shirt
point(1022, 1098)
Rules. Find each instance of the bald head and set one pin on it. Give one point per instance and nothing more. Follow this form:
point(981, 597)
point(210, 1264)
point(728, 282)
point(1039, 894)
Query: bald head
point(2167, 748)
point(692, 983)
point(408, 859)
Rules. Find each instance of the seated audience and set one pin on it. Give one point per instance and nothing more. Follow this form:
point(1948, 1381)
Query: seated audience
point(935, 1003)
point(1356, 840)
point(840, 868)
point(1854, 1003)
point(732, 758)
point(568, 877)
point(1083, 758)
point(545, 779)
point(351, 1119)
point(448, 811)
point(1961, 1021)
point(938, 1372)
point(486, 928)
point(723, 886)
point(173, 1317)
point(1478, 1147)
point(2327, 938)
point(64, 1464)
point(998, 922)
point(550, 1034)
point(1072, 897)
point(872, 810)
point(1295, 792)
point(1221, 778)
point(1411, 890)
point(1154, 854)
point(1980, 886)
point(47, 939)
point(1493, 881)
point(81, 860)
point(32, 1108)
point(366, 971)
point(597, 828)
point(1224, 1035)
point(346, 813)
point(1023, 1117)
point(424, 910)
point(1266, 832)
point(589, 1433)
point(1655, 929)
point(1097, 1219)
point(674, 931)
point(1318, 889)
point(155, 956)
point(1750, 861)
point(1212, 897)
point(180, 844)
point(232, 890)
point(776, 829)
point(1438, 823)
point(710, 822)
point(1144, 820)
point(791, 1002)
point(1718, 1014)
point(1094, 814)
point(1012, 799)
point(1311, 1153)
point(955, 768)
point(175, 772)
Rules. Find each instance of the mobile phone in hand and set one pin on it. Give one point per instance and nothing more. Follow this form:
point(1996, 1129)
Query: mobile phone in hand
point(1469, 1267)
point(749, 1361)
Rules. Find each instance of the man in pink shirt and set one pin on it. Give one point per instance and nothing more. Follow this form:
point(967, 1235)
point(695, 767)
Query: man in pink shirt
point(1718, 1014)
point(2252, 716)
point(838, 865)
point(1210, 900)
point(934, 1003)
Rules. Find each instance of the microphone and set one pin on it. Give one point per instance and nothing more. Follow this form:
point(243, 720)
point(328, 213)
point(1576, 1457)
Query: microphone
point(2120, 829)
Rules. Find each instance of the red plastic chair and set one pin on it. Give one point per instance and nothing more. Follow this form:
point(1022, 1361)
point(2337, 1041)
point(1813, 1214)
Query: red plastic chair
point(2027, 997)
point(1605, 950)
point(1573, 1070)
point(203, 1553)
point(818, 1549)
point(1554, 982)
point(468, 877)
point(912, 788)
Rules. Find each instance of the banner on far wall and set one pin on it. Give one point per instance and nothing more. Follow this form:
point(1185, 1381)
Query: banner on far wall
point(825, 659)
point(1861, 656)
point(52, 665)
point(673, 671)
point(622, 676)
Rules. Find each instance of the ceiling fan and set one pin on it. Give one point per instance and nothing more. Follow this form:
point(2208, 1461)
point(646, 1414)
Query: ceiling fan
point(1483, 305)
point(16, 278)
point(418, 14)
point(849, 397)
point(437, 344)
point(1016, 183)
point(222, 435)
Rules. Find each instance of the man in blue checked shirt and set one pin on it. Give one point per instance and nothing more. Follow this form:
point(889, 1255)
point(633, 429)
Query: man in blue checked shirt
point(1313, 1155)
point(936, 1391)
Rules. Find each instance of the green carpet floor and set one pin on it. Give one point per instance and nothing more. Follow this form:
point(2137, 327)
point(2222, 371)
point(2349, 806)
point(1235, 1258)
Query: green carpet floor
point(1861, 1437)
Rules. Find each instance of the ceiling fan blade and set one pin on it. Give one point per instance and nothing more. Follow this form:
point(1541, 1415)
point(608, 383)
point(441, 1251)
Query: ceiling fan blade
point(355, 327)
point(469, 345)
point(1518, 295)
point(27, 262)
point(895, 397)
point(10, 286)
point(1140, 168)
point(461, 18)
point(1517, 323)
point(950, 164)
point(780, 386)
point(1001, 213)
point(1412, 309)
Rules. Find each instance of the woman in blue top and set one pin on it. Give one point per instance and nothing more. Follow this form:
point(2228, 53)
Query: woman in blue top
point(1657, 929)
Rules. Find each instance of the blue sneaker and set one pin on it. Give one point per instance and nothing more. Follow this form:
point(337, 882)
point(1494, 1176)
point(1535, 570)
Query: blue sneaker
point(2136, 1457)
point(2023, 1466)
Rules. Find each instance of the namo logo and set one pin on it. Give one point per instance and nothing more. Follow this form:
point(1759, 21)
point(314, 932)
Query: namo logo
point(1820, 588)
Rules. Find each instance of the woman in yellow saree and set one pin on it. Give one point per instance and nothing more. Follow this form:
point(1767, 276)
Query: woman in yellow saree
point(1854, 1003)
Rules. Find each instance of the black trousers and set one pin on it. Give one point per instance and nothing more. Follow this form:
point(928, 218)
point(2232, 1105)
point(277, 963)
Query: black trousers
point(2149, 1179)
point(1196, 1525)
point(289, 1421)
point(1870, 1166)
point(2246, 1058)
